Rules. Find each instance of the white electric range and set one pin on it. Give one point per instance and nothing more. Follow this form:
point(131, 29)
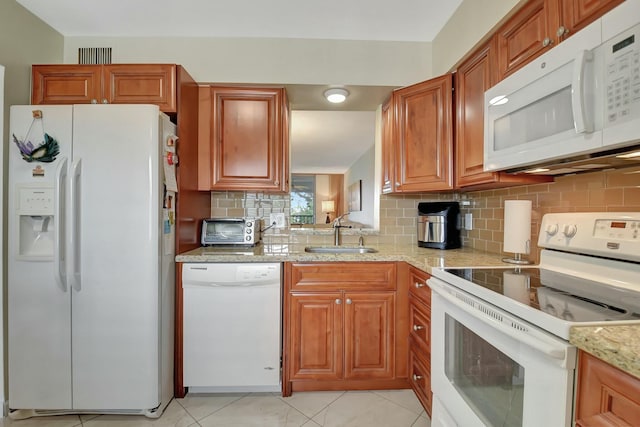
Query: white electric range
point(500, 335)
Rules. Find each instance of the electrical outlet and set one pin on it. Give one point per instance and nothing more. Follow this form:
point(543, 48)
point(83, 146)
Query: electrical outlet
point(468, 221)
point(278, 218)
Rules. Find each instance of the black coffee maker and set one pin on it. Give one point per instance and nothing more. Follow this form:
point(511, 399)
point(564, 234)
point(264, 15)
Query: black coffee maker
point(439, 225)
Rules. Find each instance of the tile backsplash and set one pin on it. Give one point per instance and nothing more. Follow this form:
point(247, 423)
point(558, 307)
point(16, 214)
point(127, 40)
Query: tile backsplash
point(612, 190)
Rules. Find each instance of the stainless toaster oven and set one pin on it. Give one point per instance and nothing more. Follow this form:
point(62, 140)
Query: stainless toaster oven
point(230, 231)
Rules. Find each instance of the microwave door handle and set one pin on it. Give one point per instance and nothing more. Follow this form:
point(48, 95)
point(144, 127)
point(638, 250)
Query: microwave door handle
point(581, 122)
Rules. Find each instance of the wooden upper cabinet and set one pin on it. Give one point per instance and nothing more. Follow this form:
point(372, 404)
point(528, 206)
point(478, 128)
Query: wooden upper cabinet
point(525, 36)
point(244, 145)
point(606, 396)
point(473, 77)
point(577, 14)
point(540, 25)
point(388, 174)
point(424, 141)
point(66, 84)
point(105, 84)
point(141, 84)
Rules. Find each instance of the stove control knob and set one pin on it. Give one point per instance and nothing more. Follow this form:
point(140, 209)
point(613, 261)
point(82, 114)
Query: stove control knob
point(570, 230)
point(552, 229)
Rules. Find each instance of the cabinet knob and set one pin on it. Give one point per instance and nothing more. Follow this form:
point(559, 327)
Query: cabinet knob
point(418, 327)
point(276, 182)
point(104, 101)
point(547, 42)
point(417, 377)
point(419, 285)
point(338, 301)
point(349, 301)
point(562, 31)
point(94, 101)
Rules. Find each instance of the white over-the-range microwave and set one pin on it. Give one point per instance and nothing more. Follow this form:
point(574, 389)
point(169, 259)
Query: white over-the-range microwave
point(575, 108)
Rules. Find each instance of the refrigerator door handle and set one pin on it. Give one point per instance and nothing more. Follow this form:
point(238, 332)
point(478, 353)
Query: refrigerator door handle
point(59, 255)
point(74, 235)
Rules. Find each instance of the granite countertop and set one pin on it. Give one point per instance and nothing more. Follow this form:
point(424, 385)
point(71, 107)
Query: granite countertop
point(616, 345)
point(422, 258)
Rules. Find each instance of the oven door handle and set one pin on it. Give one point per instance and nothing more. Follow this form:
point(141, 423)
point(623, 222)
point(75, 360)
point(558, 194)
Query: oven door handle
point(477, 312)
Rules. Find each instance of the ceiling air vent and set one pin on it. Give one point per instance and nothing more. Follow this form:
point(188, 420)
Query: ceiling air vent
point(94, 55)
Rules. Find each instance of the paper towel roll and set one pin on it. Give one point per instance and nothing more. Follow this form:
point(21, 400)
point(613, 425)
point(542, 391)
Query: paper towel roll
point(517, 226)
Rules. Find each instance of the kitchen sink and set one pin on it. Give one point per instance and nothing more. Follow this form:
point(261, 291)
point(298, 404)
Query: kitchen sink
point(340, 249)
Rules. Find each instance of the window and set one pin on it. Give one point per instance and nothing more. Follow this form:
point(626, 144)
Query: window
point(303, 199)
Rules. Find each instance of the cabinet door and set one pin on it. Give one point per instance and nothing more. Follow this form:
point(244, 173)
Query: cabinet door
point(246, 138)
point(66, 84)
point(420, 326)
point(424, 145)
point(388, 173)
point(606, 395)
point(369, 334)
point(420, 378)
point(528, 34)
point(316, 336)
point(473, 78)
point(577, 14)
point(141, 84)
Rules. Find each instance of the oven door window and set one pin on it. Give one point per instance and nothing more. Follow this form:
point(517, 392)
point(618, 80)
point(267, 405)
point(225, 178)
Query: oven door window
point(488, 380)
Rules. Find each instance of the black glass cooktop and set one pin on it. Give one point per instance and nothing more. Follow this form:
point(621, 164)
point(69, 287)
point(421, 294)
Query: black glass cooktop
point(563, 296)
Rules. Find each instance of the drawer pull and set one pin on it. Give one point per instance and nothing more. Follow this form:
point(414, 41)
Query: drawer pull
point(419, 285)
point(418, 327)
point(417, 377)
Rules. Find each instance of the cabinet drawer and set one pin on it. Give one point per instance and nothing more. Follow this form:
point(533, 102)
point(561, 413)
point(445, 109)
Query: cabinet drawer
point(420, 324)
point(420, 378)
point(418, 285)
point(606, 395)
point(343, 276)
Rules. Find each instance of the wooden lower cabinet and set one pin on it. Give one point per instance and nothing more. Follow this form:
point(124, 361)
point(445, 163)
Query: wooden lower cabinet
point(342, 328)
point(420, 378)
point(606, 396)
point(419, 332)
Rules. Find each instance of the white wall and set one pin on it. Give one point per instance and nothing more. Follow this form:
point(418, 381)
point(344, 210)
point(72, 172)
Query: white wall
point(322, 193)
point(469, 24)
point(363, 169)
point(278, 61)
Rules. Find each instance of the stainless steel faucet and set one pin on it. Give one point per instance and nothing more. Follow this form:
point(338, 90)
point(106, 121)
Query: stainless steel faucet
point(336, 228)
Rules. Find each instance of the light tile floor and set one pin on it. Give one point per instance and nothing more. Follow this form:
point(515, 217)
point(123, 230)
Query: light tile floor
point(388, 408)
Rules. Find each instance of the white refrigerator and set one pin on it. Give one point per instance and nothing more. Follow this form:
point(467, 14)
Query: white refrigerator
point(90, 261)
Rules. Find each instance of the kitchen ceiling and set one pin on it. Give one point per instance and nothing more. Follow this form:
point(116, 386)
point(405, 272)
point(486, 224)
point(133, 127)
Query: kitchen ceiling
point(334, 135)
point(398, 20)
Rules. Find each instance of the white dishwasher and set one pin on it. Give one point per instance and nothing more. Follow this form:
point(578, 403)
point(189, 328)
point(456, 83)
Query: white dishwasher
point(231, 326)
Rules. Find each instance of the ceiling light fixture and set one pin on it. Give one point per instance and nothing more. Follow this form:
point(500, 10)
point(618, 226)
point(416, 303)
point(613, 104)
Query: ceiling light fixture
point(336, 95)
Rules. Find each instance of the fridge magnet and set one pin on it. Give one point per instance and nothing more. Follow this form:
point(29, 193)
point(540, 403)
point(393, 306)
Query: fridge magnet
point(47, 148)
point(38, 171)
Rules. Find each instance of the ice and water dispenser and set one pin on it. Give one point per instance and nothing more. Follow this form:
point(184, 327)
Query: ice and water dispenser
point(35, 210)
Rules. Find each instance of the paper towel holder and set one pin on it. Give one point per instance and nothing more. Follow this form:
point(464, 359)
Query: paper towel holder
point(517, 257)
point(517, 230)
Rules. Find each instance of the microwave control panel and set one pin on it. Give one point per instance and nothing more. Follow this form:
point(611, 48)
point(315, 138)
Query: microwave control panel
point(622, 80)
